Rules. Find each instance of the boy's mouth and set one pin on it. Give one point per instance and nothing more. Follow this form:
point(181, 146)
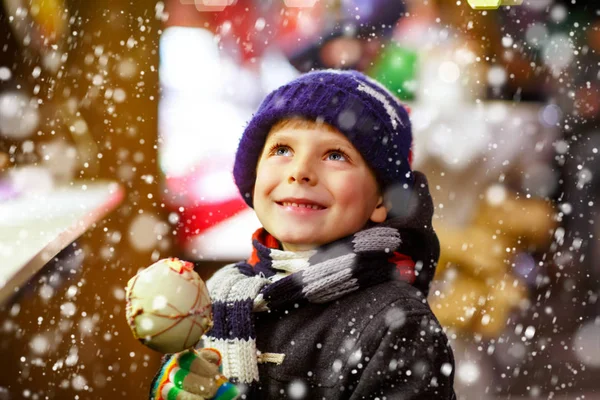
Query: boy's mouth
point(314, 206)
point(301, 203)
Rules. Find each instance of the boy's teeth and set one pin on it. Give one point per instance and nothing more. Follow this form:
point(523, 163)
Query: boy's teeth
point(315, 207)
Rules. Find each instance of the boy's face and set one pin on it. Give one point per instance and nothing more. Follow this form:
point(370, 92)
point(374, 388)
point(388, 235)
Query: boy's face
point(305, 163)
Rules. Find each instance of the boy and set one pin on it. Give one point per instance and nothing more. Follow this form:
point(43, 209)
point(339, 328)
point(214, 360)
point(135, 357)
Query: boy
point(332, 302)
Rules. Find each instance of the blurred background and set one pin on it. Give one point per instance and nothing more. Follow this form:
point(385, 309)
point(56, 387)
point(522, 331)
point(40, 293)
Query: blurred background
point(135, 109)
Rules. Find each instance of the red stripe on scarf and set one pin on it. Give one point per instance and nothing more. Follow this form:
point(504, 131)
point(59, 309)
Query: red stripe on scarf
point(404, 265)
point(266, 239)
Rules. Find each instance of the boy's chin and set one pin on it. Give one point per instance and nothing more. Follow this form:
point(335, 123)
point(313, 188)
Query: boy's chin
point(305, 240)
point(298, 243)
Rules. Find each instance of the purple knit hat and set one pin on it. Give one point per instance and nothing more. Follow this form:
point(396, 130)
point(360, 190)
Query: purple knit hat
point(372, 118)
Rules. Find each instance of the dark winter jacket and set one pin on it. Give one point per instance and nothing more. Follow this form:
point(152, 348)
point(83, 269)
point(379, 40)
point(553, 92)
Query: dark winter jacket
point(382, 342)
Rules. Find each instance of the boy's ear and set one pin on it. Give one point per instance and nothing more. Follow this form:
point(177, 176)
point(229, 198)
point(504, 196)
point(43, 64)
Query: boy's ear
point(380, 212)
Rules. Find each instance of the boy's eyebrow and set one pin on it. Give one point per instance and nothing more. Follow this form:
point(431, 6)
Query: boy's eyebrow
point(331, 142)
point(280, 135)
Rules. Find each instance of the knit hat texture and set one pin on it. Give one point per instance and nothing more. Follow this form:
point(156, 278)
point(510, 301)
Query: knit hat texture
point(371, 117)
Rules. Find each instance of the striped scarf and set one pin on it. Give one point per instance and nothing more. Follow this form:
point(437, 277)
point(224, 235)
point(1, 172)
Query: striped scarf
point(364, 259)
point(404, 247)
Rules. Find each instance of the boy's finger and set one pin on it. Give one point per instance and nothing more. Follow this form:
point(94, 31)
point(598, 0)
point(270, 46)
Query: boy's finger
point(200, 385)
point(211, 355)
point(171, 392)
point(196, 364)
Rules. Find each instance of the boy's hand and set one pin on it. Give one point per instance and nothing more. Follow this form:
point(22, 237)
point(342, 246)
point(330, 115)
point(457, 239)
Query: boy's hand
point(194, 375)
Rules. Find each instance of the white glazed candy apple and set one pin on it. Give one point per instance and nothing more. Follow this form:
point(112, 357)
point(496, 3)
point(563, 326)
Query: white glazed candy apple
point(168, 306)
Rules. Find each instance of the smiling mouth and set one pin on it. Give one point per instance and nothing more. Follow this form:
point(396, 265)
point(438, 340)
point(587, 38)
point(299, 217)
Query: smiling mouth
point(309, 206)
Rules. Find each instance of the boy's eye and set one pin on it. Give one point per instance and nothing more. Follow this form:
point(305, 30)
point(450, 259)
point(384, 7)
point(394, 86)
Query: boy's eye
point(281, 149)
point(339, 154)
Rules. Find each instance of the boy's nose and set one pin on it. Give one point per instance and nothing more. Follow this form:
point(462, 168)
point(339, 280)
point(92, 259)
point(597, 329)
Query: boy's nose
point(302, 173)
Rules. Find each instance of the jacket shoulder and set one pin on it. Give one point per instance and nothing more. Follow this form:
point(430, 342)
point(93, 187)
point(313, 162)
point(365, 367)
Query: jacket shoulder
point(390, 294)
point(409, 353)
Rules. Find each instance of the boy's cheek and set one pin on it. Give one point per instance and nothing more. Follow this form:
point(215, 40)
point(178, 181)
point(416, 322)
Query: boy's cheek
point(349, 188)
point(265, 178)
